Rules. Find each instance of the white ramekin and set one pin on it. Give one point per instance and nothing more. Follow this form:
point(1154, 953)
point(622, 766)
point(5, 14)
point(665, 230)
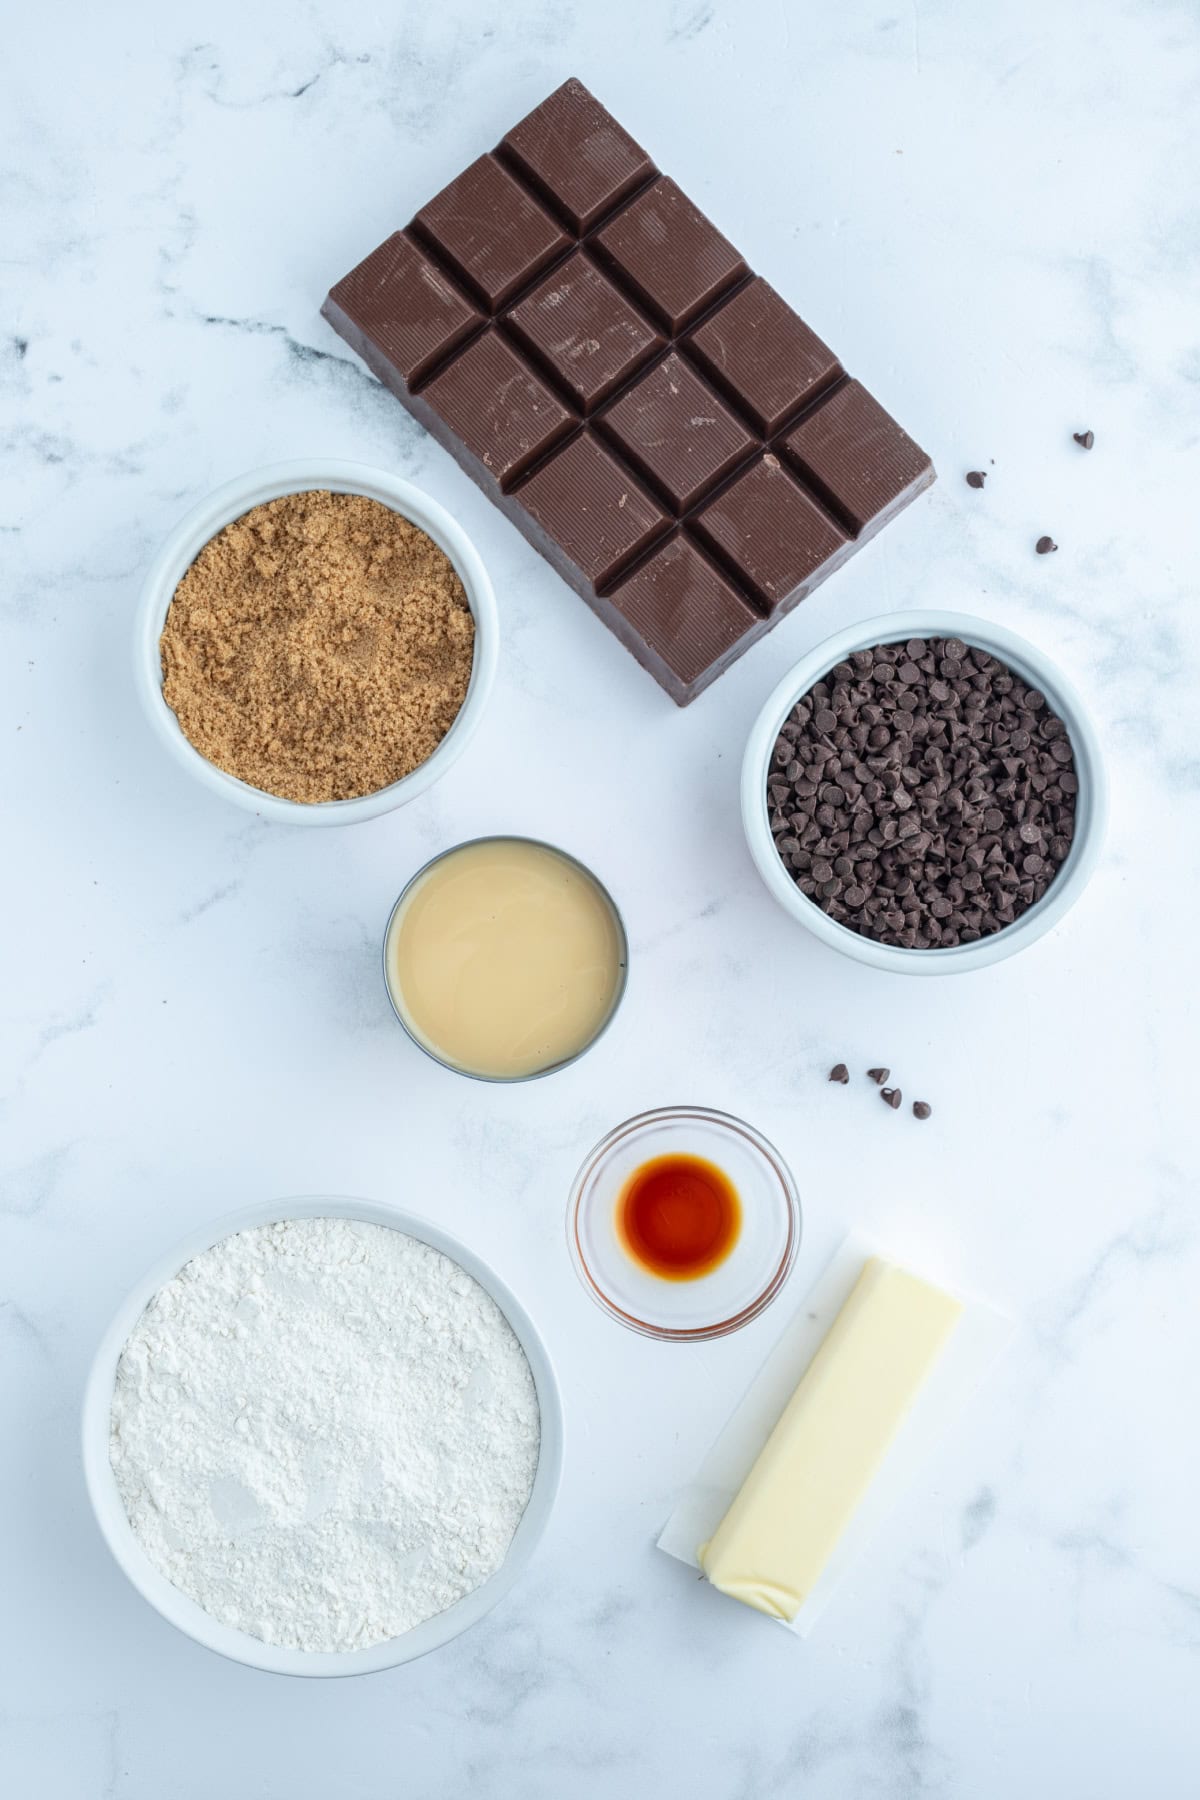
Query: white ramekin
point(1091, 805)
point(230, 502)
point(184, 1612)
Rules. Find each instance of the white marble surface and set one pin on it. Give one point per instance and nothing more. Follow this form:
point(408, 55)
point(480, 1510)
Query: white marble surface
point(991, 213)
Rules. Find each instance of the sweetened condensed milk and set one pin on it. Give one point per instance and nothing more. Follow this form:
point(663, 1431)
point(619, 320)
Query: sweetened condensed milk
point(505, 958)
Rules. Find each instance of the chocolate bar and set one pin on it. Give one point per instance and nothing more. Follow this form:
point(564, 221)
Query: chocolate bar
point(671, 436)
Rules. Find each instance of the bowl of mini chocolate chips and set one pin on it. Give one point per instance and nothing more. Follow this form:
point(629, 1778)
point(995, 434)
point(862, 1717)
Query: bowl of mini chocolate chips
point(925, 793)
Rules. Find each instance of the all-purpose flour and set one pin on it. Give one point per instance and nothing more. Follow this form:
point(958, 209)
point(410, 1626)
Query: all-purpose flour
point(324, 1432)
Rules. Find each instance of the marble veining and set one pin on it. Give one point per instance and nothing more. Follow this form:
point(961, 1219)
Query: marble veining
point(991, 212)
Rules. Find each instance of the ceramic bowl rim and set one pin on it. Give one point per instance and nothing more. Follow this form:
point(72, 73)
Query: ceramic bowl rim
point(1091, 802)
point(177, 1607)
point(235, 498)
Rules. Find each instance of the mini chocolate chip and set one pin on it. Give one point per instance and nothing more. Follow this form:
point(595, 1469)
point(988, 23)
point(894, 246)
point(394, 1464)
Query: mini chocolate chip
point(1044, 546)
point(977, 477)
point(1085, 439)
point(879, 1076)
point(839, 1072)
point(921, 1109)
point(893, 1096)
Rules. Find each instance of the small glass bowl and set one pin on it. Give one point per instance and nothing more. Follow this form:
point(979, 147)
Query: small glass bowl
point(742, 1285)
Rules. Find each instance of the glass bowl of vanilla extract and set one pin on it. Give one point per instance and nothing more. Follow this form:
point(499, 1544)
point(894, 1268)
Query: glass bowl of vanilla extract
point(683, 1223)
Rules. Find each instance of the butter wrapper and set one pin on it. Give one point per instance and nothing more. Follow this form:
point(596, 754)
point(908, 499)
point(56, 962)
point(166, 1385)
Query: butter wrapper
point(972, 1351)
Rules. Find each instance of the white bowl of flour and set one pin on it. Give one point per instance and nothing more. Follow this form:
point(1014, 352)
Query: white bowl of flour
point(322, 1437)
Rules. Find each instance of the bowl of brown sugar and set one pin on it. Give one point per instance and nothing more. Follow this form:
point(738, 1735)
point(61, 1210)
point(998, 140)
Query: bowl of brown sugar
point(316, 641)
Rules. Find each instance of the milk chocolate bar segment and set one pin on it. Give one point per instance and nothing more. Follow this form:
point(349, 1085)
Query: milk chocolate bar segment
point(492, 231)
point(672, 427)
point(400, 312)
point(594, 515)
point(852, 451)
point(757, 349)
point(772, 534)
point(591, 337)
point(496, 404)
point(655, 419)
point(574, 152)
point(686, 619)
point(670, 254)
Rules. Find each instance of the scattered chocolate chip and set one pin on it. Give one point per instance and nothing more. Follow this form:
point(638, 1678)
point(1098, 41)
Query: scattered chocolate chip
point(976, 478)
point(893, 1096)
point(1085, 439)
point(879, 1076)
point(921, 1109)
point(1045, 545)
point(839, 1072)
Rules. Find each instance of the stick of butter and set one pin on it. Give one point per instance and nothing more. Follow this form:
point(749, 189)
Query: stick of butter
point(830, 1440)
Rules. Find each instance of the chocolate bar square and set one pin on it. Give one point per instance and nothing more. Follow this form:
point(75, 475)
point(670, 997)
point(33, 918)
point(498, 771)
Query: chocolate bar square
point(591, 510)
point(757, 349)
point(657, 421)
point(682, 618)
point(498, 407)
point(771, 533)
point(855, 453)
point(670, 254)
point(491, 229)
point(672, 427)
point(400, 312)
point(591, 336)
point(574, 152)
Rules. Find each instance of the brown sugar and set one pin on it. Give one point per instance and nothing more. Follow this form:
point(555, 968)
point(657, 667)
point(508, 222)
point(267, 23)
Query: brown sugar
point(319, 647)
